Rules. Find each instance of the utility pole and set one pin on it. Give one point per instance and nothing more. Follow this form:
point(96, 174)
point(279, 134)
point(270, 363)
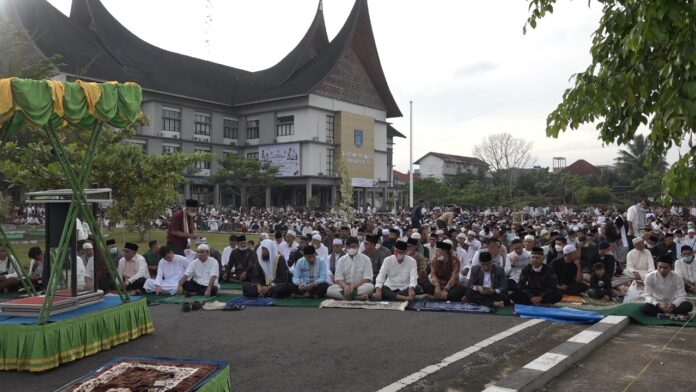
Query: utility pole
point(410, 159)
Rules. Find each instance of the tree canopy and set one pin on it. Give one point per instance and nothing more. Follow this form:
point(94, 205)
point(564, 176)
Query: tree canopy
point(244, 177)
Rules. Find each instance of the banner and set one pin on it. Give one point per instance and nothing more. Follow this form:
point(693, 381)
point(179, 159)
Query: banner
point(286, 157)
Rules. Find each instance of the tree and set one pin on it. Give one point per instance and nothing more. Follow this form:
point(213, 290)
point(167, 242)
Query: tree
point(345, 203)
point(642, 74)
point(434, 191)
point(595, 196)
point(504, 154)
point(631, 161)
point(245, 177)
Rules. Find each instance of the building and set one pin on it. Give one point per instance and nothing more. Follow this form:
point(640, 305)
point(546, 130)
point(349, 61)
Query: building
point(325, 100)
point(439, 165)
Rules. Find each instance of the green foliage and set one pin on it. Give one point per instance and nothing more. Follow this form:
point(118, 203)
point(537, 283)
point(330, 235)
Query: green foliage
point(595, 196)
point(5, 206)
point(642, 74)
point(345, 204)
point(245, 177)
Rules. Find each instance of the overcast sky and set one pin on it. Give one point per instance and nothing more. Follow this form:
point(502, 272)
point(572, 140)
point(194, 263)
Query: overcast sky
point(466, 65)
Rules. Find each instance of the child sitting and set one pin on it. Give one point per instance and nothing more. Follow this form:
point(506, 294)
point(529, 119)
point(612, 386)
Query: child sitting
point(600, 283)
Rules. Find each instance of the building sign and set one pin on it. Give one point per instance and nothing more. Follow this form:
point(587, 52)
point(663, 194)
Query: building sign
point(286, 157)
point(356, 145)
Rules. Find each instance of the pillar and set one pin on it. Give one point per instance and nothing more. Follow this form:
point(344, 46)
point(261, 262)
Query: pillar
point(308, 192)
point(216, 196)
point(187, 191)
point(334, 196)
point(268, 197)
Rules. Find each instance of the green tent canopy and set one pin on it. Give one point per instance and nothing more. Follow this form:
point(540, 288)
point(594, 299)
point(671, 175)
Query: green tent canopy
point(79, 104)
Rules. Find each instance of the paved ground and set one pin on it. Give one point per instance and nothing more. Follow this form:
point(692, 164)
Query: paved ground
point(617, 363)
point(303, 349)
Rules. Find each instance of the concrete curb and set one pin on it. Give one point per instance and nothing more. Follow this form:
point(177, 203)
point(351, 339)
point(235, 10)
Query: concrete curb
point(550, 365)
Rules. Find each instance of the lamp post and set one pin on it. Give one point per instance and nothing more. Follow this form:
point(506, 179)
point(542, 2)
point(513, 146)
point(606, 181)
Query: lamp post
point(410, 158)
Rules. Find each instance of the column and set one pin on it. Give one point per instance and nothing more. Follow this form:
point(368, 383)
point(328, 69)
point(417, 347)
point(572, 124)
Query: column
point(308, 192)
point(187, 191)
point(268, 197)
point(334, 195)
point(216, 196)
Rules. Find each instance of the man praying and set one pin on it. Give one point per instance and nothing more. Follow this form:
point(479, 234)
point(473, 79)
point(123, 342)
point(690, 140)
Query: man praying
point(309, 276)
point(398, 276)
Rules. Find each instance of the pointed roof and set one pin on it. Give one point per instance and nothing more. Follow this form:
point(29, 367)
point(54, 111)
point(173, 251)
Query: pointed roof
point(582, 168)
point(454, 158)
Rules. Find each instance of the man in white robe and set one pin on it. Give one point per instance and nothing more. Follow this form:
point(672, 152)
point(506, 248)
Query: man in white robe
point(169, 271)
point(353, 275)
point(664, 291)
point(686, 268)
point(639, 261)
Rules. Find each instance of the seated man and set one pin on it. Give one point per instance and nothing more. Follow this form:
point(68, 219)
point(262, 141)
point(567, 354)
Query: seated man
point(398, 276)
point(270, 276)
point(639, 261)
point(686, 268)
point(443, 283)
point(515, 262)
point(169, 271)
point(537, 284)
point(421, 262)
point(353, 275)
point(336, 254)
point(36, 266)
point(600, 283)
point(569, 272)
point(488, 283)
point(664, 291)
point(309, 278)
point(152, 257)
point(9, 280)
point(132, 268)
point(201, 276)
point(241, 260)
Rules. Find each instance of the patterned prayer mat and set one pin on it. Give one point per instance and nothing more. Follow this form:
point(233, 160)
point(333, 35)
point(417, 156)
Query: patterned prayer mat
point(373, 305)
point(154, 374)
point(251, 301)
point(447, 306)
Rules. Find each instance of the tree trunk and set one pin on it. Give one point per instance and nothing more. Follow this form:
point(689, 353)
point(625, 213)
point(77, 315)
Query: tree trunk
point(243, 198)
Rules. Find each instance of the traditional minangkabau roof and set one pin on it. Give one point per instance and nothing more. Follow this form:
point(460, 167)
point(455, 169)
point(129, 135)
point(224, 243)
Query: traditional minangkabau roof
point(94, 45)
point(392, 132)
point(454, 158)
point(582, 168)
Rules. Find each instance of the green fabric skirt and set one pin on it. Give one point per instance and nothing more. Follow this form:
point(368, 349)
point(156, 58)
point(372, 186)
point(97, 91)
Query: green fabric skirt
point(37, 348)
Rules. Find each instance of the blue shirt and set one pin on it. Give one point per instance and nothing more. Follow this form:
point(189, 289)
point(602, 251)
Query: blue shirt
point(306, 273)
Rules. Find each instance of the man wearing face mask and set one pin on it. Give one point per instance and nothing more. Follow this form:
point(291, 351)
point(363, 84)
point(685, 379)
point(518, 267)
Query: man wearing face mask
point(686, 268)
point(398, 276)
point(556, 250)
point(353, 275)
point(182, 228)
point(537, 284)
point(374, 252)
point(111, 247)
point(241, 260)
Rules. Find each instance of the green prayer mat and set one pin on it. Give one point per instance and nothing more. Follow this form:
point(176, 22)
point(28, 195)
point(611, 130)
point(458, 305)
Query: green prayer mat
point(632, 310)
point(299, 302)
point(231, 286)
point(180, 299)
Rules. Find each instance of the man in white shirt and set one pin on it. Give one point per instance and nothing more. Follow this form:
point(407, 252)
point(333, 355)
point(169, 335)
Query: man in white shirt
point(132, 268)
point(353, 275)
point(169, 271)
point(635, 215)
point(639, 261)
point(664, 291)
point(515, 262)
point(286, 247)
point(201, 276)
point(689, 240)
point(321, 249)
point(398, 276)
point(228, 251)
point(686, 268)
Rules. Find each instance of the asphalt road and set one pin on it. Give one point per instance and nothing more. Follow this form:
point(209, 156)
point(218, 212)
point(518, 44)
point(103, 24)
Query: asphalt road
point(304, 349)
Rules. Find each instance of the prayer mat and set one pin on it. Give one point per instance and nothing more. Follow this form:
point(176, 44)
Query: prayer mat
point(561, 315)
point(447, 306)
point(251, 301)
point(632, 310)
point(230, 286)
point(298, 302)
point(230, 292)
point(154, 374)
point(598, 302)
point(372, 305)
point(180, 299)
point(572, 299)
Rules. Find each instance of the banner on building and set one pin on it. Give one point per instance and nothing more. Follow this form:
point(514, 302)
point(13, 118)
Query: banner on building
point(286, 157)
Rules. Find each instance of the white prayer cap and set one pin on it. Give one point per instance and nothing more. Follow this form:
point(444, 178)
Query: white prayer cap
point(691, 231)
point(337, 241)
point(316, 237)
point(529, 237)
point(461, 236)
point(471, 233)
point(544, 232)
point(87, 245)
point(568, 249)
point(315, 232)
point(637, 240)
point(204, 247)
point(440, 232)
point(292, 233)
point(416, 236)
point(385, 231)
point(448, 241)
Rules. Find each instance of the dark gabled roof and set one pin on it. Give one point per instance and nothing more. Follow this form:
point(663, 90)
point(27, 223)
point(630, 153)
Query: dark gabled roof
point(392, 132)
point(454, 158)
point(94, 45)
point(582, 168)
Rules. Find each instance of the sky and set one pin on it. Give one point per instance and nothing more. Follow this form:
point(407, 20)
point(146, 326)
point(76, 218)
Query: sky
point(466, 65)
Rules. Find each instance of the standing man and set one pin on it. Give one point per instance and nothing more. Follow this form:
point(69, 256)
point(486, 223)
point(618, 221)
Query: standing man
point(201, 276)
point(636, 219)
point(132, 268)
point(417, 215)
point(182, 227)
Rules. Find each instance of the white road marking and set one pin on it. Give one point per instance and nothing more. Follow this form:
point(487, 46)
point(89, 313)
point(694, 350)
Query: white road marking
point(585, 337)
point(426, 371)
point(545, 362)
point(612, 319)
point(494, 388)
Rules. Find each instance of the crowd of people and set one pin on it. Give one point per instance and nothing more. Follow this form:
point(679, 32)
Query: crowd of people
point(490, 258)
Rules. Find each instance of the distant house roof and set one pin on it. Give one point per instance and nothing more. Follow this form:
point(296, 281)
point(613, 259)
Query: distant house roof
point(454, 158)
point(582, 168)
point(392, 132)
point(403, 177)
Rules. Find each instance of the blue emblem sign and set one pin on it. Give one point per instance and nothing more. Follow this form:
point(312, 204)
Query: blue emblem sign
point(358, 138)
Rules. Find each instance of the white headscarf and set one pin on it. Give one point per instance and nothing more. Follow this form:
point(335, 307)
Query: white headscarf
point(269, 267)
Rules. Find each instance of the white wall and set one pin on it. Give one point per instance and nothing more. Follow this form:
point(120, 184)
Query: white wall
point(431, 166)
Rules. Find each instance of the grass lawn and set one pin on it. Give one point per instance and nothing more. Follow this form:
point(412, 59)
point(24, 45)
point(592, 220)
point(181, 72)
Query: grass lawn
point(216, 241)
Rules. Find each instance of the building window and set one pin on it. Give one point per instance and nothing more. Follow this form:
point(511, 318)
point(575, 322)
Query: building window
point(140, 143)
point(203, 164)
point(202, 193)
point(253, 155)
point(170, 148)
point(285, 126)
point(171, 120)
point(330, 126)
point(330, 162)
point(230, 128)
point(201, 124)
point(252, 129)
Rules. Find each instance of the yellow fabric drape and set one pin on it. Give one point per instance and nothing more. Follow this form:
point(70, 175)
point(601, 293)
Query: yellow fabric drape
point(57, 92)
point(6, 103)
point(92, 94)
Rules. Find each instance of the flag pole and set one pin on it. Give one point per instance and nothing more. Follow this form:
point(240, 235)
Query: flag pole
point(410, 159)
